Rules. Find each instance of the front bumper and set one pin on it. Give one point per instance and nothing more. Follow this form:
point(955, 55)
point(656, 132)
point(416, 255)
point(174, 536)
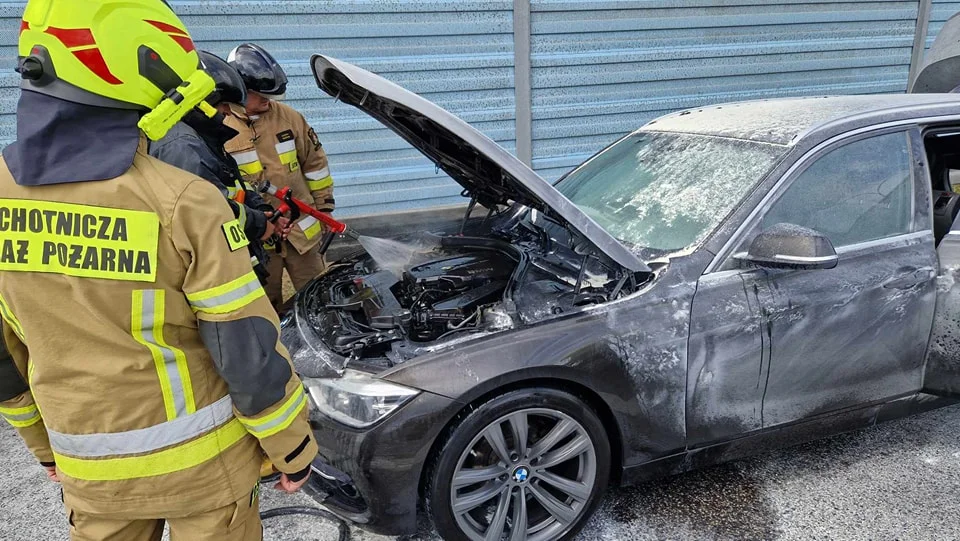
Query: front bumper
point(372, 477)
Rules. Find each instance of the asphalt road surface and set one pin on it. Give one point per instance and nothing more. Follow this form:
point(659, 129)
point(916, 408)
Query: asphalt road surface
point(900, 480)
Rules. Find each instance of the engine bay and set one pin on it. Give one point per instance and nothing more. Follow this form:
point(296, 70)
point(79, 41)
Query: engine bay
point(442, 296)
point(457, 287)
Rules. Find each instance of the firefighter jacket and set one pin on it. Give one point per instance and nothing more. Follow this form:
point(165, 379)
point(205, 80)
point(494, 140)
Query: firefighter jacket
point(139, 350)
point(280, 147)
point(196, 146)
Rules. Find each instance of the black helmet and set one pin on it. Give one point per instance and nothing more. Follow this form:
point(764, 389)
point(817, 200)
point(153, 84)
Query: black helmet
point(259, 70)
point(230, 87)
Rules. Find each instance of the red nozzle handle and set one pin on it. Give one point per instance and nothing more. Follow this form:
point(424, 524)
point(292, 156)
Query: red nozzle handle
point(288, 203)
point(334, 225)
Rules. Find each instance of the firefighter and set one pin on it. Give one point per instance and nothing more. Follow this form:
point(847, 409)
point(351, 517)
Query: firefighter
point(140, 360)
point(196, 145)
point(276, 144)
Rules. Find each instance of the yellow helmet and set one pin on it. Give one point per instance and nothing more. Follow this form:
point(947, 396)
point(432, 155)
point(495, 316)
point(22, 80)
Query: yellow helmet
point(114, 53)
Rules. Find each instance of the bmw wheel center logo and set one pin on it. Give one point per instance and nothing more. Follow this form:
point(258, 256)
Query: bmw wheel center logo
point(521, 474)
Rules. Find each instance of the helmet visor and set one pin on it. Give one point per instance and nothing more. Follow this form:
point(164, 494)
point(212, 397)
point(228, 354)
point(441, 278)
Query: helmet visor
point(260, 72)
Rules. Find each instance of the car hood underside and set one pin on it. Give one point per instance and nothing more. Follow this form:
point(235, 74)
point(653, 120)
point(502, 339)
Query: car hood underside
point(488, 173)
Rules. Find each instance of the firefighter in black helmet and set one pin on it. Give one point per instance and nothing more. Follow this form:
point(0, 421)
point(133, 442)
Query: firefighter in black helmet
point(276, 144)
point(260, 71)
point(196, 145)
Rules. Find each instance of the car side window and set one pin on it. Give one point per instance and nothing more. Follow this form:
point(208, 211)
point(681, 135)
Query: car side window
point(858, 192)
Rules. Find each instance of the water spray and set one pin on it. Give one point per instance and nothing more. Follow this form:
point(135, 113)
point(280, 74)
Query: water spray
point(295, 207)
point(389, 254)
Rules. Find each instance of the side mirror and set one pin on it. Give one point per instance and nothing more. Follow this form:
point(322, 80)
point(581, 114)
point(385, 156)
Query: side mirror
point(788, 246)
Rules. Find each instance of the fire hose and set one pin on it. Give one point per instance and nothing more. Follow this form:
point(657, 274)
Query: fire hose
point(295, 208)
point(342, 527)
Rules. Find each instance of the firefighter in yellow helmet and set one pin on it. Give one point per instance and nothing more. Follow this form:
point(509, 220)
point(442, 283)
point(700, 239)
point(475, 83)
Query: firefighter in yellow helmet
point(276, 144)
point(139, 357)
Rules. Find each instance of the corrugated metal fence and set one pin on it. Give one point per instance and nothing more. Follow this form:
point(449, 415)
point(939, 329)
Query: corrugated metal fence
point(597, 69)
point(458, 54)
point(602, 68)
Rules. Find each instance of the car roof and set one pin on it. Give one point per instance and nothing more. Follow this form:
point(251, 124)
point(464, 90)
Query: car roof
point(786, 121)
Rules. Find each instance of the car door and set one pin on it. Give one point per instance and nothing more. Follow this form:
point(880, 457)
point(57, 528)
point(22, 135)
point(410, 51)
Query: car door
point(942, 369)
point(857, 333)
point(726, 373)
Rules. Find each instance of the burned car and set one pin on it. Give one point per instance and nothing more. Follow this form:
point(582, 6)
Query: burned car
point(721, 281)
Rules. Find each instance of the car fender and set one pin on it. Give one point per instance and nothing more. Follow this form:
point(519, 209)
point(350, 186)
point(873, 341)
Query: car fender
point(579, 349)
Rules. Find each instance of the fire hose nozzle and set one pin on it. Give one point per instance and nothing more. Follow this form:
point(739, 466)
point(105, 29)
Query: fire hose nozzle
point(296, 207)
point(266, 187)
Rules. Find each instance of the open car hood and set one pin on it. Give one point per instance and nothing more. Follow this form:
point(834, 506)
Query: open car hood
point(481, 166)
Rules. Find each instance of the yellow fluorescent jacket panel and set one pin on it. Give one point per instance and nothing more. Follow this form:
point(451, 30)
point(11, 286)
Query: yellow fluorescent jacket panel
point(236, 238)
point(78, 240)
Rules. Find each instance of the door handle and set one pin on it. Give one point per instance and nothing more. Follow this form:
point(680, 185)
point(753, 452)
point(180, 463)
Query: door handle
point(910, 278)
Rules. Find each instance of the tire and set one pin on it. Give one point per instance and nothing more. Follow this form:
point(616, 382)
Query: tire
point(554, 486)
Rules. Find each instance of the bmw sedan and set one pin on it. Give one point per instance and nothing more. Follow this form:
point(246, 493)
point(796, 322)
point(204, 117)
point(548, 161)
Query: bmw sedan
point(721, 281)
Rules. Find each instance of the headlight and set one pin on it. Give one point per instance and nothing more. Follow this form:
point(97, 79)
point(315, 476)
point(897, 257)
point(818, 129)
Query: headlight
point(357, 399)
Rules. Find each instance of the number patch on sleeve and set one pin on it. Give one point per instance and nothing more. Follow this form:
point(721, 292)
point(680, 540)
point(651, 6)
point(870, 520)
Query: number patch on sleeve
point(236, 238)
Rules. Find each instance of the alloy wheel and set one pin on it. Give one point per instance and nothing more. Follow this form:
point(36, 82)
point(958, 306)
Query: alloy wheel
point(528, 475)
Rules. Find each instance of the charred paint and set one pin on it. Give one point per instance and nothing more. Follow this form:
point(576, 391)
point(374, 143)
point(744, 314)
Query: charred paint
point(864, 348)
point(728, 368)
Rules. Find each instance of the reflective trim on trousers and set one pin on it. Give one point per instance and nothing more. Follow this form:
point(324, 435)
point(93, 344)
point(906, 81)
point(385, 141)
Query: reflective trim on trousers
point(144, 440)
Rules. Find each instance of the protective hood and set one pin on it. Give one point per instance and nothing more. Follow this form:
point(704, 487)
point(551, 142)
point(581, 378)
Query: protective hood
point(486, 171)
point(59, 142)
point(941, 65)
